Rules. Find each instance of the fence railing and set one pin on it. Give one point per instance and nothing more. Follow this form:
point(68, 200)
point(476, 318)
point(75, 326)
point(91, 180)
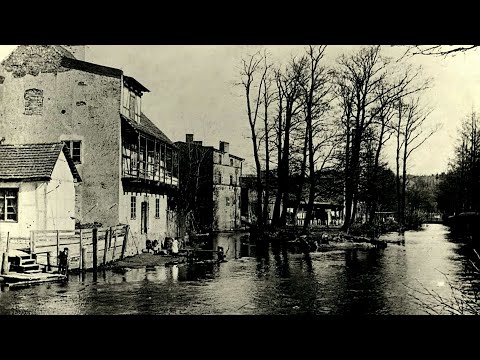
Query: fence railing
point(87, 248)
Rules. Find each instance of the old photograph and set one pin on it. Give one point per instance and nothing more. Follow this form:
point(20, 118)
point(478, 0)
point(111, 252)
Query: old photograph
point(239, 180)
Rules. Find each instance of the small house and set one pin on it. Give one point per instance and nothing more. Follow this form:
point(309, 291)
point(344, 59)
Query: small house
point(36, 188)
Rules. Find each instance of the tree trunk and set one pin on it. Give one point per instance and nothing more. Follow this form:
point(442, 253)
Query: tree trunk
point(374, 179)
point(311, 163)
point(278, 197)
point(302, 180)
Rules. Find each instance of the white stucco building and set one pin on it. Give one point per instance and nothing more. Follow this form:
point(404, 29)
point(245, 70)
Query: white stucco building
point(37, 189)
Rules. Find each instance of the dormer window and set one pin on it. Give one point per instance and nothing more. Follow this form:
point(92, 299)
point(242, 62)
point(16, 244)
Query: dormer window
point(132, 104)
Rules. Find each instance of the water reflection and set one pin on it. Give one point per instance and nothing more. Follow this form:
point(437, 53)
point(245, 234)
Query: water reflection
point(354, 281)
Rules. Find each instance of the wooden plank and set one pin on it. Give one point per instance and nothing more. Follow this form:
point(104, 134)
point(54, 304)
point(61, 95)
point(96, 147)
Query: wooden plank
point(80, 263)
point(5, 263)
point(105, 248)
point(94, 250)
point(125, 240)
point(84, 259)
point(58, 248)
point(114, 245)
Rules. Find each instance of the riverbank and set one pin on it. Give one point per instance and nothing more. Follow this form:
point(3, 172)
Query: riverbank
point(322, 239)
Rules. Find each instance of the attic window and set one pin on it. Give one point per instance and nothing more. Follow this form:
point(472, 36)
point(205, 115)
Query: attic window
point(33, 102)
point(75, 150)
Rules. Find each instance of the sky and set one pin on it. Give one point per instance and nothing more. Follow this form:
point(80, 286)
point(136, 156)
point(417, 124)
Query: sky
point(193, 91)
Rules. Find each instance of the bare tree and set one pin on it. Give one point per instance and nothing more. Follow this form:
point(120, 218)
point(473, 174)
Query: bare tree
point(414, 134)
point(251, 67)
point(367, 84)
point(288, 82)
point(268, 99)
point(317, 90)
point(437, 50)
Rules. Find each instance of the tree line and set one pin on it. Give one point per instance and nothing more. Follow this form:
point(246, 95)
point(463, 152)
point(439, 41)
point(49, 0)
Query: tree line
point(309, 119)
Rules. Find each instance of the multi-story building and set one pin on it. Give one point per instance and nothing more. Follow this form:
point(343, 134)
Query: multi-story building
point(129, 167)
point(210, 187)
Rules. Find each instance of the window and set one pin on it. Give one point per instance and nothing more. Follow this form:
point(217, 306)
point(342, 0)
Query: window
point(8, 204)
point(133, 103)
point(219, 178)
point(33, 102)
point(126, 102)
point(231, 179)
point(74, 147)
point(157, 208)
point(231, 162)
point(220, 158)
point(227, 201)
point(133, 208)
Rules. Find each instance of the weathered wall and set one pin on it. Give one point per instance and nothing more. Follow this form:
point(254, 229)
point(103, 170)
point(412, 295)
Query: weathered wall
point(226, 212)
point(76, 106)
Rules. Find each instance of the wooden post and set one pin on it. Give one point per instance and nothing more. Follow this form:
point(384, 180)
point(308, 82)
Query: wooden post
point(32, 242)
point(94, 239)
point(110, 238)
point(125, 241)
point(105, 247)
point(114, 245)
point(58, 247)
point(84, 259)
point(81, 259)
point(49, 261)
point(6, 264)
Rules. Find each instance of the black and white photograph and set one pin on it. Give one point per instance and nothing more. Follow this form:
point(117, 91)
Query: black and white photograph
point(239, 179)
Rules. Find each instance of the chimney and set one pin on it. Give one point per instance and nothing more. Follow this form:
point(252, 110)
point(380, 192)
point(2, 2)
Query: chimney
point(189, 138)
point(77, 50)
point(224, 146)
point(196, 142)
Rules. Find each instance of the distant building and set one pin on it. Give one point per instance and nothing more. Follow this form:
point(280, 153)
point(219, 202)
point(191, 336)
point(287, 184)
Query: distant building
point(37, 189)
point(129, 167)
point(210, 188)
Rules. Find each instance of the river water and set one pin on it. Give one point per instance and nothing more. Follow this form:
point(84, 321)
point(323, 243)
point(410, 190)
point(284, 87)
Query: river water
point(361, 281)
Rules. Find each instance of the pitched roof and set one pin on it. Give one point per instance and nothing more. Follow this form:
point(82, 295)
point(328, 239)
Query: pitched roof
point(148, 127)
point(32, 161)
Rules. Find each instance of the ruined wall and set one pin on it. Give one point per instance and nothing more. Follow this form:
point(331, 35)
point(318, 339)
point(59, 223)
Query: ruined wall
point(76, 105)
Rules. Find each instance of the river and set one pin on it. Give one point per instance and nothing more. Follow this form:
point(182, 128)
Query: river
point(347, 282)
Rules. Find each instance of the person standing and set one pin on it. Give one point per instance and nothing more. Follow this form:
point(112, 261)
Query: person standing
point(175, 247)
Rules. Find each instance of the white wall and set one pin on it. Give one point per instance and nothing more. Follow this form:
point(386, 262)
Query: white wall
point(156, 227)
point(60, 197)
point(30, 209)
point(43, 205)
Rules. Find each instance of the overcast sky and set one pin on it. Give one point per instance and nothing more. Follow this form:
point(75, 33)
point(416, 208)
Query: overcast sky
point(192, 91)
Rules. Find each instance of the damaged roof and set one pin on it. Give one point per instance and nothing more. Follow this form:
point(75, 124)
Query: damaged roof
point(32, 162)
point(148, 127)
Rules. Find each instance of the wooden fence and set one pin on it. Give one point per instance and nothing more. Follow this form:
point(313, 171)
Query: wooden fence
point(87, 248)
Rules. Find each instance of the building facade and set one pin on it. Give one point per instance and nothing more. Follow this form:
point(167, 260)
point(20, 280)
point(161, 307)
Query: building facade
point(210, 187)
point(129, 167)
point(37, 189)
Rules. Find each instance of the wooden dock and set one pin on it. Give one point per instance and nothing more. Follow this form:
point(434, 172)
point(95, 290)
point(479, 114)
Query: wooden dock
point(14, 279)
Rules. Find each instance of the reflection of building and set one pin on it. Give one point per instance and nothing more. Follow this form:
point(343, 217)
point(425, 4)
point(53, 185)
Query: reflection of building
point(36, 188)
point(249, 199)
point(210, 187)
point(129, 168)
